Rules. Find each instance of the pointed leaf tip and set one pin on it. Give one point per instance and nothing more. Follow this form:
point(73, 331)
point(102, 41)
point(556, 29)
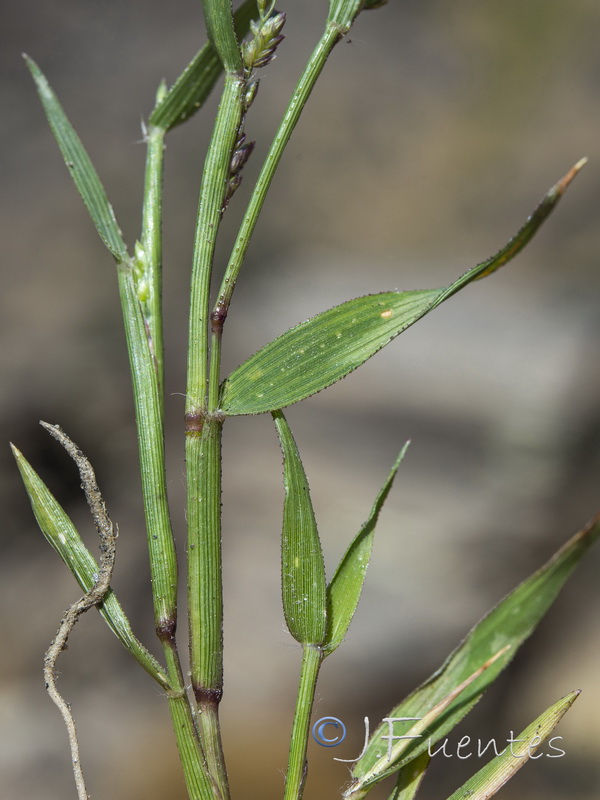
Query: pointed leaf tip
point(80, 167)
point(497, 772)
point(315, 354)
point(17, 454)
point(566, 180)
point(345, 589)
point(510, 623)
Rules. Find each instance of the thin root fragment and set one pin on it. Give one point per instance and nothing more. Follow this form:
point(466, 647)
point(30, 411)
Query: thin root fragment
point(108, 535)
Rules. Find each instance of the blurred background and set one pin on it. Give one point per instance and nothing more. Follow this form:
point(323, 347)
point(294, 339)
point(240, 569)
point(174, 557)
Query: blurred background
point(433, 133)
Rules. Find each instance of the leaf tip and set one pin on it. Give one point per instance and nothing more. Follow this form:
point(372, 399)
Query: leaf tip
point(570, 698)
point(400, 457)
point(590, 532)
point(161, 92)
point(564, 182)
point(16, 452)
point(31, 65)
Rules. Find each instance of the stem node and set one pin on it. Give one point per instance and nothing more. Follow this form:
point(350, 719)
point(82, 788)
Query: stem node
point(165, 630)
point(218, 317)
point(207, 698)
point(194, 422)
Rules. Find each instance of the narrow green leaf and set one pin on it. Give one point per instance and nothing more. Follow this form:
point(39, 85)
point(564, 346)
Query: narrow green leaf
point(81, 168)
point(410, 778)
point(508, 625)
point(387, 763)
point(302, 567)
point(151, 445)
point(498, 771)
point(313, 355)
point(193, 86)
point(343, 593)
point(60, 532)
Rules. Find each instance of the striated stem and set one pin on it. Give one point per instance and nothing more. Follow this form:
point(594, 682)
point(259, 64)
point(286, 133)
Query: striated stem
point(210, 733)
point(161, 544)
point(218, 15)
point(206, 601)
point(305, 85)
point(203, 440)
point(199, 783)
point(312, 657)
point(205, 593)
point(203, 421)
point(151, 241)
point(210, 208)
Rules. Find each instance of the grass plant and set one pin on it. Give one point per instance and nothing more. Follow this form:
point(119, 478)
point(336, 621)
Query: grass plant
point(302, 361)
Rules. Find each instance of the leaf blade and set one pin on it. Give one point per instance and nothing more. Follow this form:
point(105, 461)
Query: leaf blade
point(492, 777)
point(317, 353)
point(345, 588)
point(302, 566)
point(64, 538)
point(504, 626)
point(305, 359)
point(80, 166)
point(410, 778)
point(388, 764)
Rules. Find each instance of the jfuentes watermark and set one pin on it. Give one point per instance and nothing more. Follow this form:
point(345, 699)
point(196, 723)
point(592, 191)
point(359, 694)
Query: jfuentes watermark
point(331, 732)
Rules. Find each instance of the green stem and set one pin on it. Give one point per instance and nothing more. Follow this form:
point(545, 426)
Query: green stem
point(210, 734)
point(206, 601)
point(161, 544)
point(214, 366)
point(192, 758)
point(210, 210)
point(203, 441)
point(151, 241)
point(301, 94)
point(205, 593)
point(312, 657)
point(197, 779)
point(218, 15)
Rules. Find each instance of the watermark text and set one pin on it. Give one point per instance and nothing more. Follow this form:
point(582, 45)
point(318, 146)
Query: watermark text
point(331, 732)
